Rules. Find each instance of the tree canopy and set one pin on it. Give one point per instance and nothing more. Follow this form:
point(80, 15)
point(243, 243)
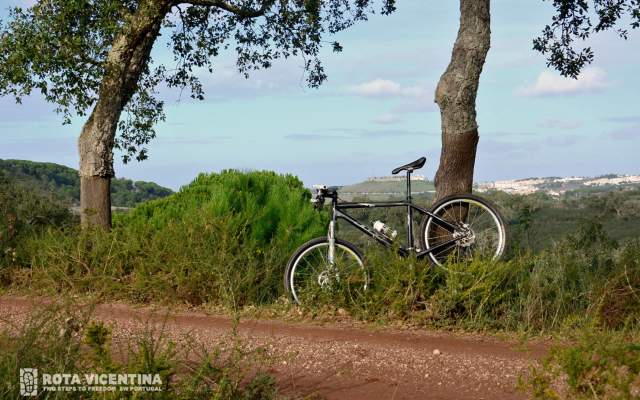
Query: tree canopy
point(61, 47)
point(577, 20)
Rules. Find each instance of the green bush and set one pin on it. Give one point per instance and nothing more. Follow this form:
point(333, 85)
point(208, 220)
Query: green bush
point(224, 239)
point(271, 209)
point(24, 213)
point(582, 280)
point(620, 304)
point(601, 365)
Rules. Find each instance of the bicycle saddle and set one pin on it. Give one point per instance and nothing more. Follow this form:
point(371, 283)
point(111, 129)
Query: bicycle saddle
point(417, 164)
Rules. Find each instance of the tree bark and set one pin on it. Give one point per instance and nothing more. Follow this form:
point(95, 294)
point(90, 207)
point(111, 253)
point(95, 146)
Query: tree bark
point(456, 97)
point(96, 190)
point(127, 60)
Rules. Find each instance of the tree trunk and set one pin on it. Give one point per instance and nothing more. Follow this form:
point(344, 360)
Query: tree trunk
point(95, 191)
point(456, 97)
point(127, 60)
point(95, 146)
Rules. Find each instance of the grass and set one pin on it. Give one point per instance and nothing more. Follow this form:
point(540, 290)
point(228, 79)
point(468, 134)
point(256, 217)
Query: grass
point(582, 280)
point(600, 365)
point(64, 338)
point(223, 241)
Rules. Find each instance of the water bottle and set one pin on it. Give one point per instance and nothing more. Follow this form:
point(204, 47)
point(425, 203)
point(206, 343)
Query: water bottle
point(385, 230)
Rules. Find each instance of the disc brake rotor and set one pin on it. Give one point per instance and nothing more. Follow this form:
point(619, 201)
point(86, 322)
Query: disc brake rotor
point(464, 235)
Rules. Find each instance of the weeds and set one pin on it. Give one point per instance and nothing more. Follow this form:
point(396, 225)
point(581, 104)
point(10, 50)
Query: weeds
point(576, 283)
point(24, 213)
point(602, 365)
point(224, 240)
point(568, 286)
point(65, 339)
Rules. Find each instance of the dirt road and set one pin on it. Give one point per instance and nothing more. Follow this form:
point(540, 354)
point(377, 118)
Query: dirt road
point(346, 362)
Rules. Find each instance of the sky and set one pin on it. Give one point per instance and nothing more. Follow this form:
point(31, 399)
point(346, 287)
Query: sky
point(376, 110)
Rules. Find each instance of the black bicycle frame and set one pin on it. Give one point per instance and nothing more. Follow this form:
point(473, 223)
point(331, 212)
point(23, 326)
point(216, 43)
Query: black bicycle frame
point(338, 212)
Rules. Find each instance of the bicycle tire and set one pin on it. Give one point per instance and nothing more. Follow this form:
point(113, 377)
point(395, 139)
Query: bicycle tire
point(290, 281)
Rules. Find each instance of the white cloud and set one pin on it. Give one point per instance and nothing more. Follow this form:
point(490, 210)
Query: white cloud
point(550, 84)
point(386, 88)
point(413, 99)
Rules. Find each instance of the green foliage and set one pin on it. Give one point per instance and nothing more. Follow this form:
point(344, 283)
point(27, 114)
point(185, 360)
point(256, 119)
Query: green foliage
point(23, 214)
point(564, 287)
point(225, 239)
point(271, 208)
point(63, 183)
point(63, 338)
point(536, 221)
point(620, 304)
point(601, 365)
point(61, 48)
point(575, 21)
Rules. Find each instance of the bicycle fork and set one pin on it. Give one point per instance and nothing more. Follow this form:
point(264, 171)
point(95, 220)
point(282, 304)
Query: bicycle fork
point(332, 242)
point(331, 237)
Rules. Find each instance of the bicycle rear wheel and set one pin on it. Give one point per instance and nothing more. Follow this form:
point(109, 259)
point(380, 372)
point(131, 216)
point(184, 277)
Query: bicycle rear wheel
point(309, 275)
point(480, 231)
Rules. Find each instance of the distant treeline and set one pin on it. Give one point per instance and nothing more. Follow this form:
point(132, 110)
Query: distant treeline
point(64, 183)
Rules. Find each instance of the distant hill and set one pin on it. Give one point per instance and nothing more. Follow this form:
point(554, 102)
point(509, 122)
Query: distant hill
point(556, 186)
point(386, 188)
point(64, 183)
point(375, 189)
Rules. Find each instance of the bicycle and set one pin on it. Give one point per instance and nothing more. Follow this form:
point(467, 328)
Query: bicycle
point(457, 228)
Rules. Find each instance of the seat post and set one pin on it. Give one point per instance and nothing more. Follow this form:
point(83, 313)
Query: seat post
point(409, 185)
point(409, 212)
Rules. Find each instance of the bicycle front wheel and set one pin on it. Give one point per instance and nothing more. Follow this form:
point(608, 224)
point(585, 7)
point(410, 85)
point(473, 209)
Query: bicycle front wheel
point(310, 276)
point(480, 231)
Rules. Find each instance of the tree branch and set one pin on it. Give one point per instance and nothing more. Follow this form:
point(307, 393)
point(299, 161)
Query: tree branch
point(240, 11)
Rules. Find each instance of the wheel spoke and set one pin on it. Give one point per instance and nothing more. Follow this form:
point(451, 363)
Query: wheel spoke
point(480, 234)
point(311, 274)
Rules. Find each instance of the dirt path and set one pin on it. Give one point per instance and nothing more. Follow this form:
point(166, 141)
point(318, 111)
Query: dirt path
point(343, 362)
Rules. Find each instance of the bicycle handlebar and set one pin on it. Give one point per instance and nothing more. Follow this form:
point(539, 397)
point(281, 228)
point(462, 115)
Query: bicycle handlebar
point(319, 198)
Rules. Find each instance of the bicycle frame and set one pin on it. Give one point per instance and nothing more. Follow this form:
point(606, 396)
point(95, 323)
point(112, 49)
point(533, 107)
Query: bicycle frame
point(339, 212)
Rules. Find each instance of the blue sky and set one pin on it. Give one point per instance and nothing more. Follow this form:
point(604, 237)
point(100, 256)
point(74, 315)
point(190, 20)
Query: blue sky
point(376, 111)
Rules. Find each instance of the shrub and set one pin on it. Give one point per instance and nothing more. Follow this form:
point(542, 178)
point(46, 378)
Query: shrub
point(600, 365)
point(224, 239)
point(562, 286)
point(272, 210)
point(24, 213)
point(620, 304)
point(582, 280)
